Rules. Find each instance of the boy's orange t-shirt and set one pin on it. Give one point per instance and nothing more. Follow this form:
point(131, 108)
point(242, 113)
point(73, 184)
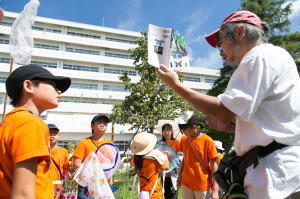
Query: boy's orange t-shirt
point(175, 144)
point(24, 136)
point(194, 176)
point(60, 156)
point(148, 176)
point(86, 146)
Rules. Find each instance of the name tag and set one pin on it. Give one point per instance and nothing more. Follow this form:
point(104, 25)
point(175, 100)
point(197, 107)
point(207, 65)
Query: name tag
point(57, 182)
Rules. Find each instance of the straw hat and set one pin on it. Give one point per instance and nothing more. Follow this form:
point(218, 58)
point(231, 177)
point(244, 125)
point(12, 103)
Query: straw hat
point(143, 143)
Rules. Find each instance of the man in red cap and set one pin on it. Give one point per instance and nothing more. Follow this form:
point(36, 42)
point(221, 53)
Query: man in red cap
point(262, 99)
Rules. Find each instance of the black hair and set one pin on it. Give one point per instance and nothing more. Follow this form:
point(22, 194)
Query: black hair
point(16, 98)
point(138, 162)
point(166, 127)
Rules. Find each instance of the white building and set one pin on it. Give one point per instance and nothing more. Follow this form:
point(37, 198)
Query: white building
point(93, 57)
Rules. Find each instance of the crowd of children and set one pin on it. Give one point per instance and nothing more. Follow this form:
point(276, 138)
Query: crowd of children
point(32, 165)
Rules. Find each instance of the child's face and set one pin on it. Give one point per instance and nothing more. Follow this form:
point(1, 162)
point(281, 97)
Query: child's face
point(54, 135)
point(99, 127)
point(190, 131)
point(167, 134)
point(45, 95)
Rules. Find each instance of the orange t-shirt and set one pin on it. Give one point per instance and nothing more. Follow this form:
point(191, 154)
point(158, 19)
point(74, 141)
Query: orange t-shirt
point(60, 156)
point(24, 136)
point(194, 175)
point(175, 144)
point(148, 176)
point(86, 146)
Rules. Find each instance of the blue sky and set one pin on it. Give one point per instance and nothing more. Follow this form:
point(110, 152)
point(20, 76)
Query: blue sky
point(192, 18)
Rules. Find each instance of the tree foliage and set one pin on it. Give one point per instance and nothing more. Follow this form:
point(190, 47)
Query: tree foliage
point(150, 99)
point(274, 12)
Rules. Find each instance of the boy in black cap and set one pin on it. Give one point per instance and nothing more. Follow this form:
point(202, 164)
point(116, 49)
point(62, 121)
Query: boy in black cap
point(24, 137)
point(200, 160)
point(90, 144)
point(60, 160)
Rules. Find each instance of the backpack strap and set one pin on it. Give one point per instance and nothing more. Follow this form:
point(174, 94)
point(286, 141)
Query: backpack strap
point(253, 155)
point(198, 157)
point(94, 143)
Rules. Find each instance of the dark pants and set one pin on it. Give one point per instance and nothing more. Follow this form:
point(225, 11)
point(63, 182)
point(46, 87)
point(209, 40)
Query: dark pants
point(170, 193)
point(82, 193)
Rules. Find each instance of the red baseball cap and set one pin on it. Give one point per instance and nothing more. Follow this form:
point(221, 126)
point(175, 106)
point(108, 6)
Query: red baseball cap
point(1, 14)
point(238, 16)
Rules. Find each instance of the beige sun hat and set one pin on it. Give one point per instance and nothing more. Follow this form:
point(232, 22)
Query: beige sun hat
point(143, 143)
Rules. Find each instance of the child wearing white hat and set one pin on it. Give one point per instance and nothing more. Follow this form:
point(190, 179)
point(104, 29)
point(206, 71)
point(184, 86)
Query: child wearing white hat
point(220, 149)
point(147, 162)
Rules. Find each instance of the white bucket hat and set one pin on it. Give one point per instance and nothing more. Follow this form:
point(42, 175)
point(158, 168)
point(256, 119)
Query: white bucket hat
point(143, 143)
point(219, 145)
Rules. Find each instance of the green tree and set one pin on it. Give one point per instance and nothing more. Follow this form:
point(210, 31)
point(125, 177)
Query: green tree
point(150, 99)
point(290, 42)
point(274, 12)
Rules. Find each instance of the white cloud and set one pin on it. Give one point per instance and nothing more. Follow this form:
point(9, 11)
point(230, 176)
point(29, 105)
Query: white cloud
point(212, 60)
point(194, 21)
point(131, 21)
point(295, 9)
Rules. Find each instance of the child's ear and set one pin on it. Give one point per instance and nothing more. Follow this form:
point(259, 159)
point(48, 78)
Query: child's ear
point(28, 86)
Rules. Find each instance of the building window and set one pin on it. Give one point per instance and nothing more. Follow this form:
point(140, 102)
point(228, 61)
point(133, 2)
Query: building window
point(83, 51)
point(4, 60)
point(121, 145)
point(1, 99)
point(3, 79)
point(38, 28)
point(4, 41)
point(89, 100)
point(45, 64)
point(83, 35)
point(84, 86)
point(81, 68)
point(66, 143)
point(3, 23)
point(192, 79)
point(117, 55)
point(210, 81)
point(119, 71)
point(79, 100)
point(113, 88)
point(120, 40)
point(46, 46)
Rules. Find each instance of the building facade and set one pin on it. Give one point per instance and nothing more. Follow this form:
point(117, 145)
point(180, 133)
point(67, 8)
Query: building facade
point(93, 57)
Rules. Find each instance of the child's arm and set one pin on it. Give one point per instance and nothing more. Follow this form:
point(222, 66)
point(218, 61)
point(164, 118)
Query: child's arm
point(24, 179)
point(179, 178)
point(215, 188)
point(77, 163)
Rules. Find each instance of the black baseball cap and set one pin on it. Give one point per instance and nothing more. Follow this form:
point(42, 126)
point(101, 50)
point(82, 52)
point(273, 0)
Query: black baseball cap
point(33, 72)
point(100, 117)
point(53, 126)
point(189, 119)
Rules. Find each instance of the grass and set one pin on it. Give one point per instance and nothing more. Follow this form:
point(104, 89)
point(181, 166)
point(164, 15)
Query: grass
point(124, 182)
